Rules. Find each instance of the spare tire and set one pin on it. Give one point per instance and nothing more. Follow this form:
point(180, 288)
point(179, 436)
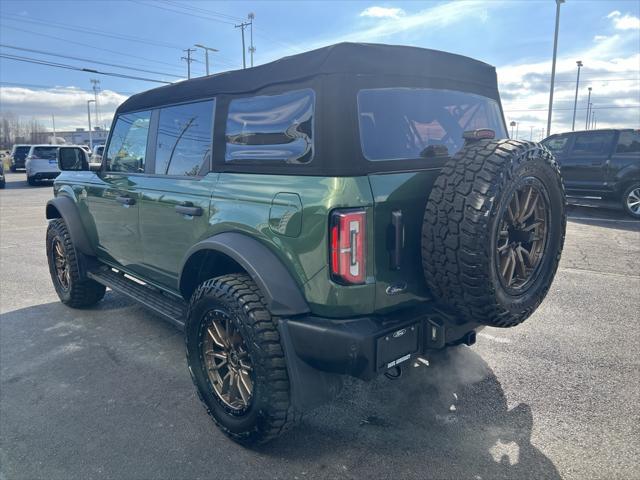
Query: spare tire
point(493, 231)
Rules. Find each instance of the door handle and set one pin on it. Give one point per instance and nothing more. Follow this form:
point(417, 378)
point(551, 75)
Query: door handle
point(187, 208)
point(126, 200)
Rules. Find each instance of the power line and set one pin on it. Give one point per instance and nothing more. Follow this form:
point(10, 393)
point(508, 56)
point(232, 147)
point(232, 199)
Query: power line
point(101, 33)
point(148, 60)
point(59, 87)
point(128, 67)
point(583, 108)
point(79, 69)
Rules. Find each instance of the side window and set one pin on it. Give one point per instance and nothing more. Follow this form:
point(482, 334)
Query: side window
point(592, 143)
point(271, 128)
point(557, 144)
point(184, 139)
point(629, 142)
point(128, 145)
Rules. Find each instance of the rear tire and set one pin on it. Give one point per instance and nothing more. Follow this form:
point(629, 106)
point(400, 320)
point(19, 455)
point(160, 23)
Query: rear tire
point(267, 412)
point(73, 289)
point(476, 214)
point(32, 181)
point(631, 200)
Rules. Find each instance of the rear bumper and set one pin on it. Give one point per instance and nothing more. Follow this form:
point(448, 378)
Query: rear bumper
point(44, 175)
point(365, 347)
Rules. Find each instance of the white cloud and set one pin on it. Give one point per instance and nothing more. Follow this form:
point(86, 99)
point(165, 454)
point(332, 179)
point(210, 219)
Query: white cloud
point(68, 104)
point(624, 22)
point(599, 38)
point(611, 68)
point(382, 12)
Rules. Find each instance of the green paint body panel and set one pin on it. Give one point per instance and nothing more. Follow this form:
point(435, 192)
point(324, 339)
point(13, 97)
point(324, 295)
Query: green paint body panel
point(289, 214)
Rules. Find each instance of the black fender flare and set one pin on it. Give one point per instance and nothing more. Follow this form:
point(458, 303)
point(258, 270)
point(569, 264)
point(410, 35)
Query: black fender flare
point(67, 209)
point(280, 290)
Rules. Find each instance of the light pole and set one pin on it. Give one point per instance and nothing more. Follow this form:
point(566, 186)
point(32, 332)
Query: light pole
point(89, 118)
point(206, 54)
point(512, 124)
point(553, 64)
point(252, 49)
point(575, 101)
point(586, 123)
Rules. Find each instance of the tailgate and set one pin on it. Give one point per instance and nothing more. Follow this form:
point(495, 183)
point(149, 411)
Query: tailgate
point(399, 203)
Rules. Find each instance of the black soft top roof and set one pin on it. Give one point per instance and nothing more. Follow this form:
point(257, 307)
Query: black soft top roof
point(350, 59)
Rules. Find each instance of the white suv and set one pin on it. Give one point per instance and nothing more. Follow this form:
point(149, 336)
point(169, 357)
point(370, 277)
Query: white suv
point(42, 163)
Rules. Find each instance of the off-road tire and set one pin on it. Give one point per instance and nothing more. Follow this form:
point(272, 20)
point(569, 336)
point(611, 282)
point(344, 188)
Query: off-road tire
point(625, 195)
point(270, 411)
point(82, 292)
point(459, 235)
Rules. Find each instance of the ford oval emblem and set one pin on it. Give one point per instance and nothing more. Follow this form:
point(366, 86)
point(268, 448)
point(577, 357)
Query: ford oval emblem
point(399, 333)
point(396, 288)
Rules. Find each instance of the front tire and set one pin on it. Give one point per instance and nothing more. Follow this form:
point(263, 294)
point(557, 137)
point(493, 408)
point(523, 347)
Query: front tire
point(31, 181)
point(73, 289)
point(236, 360)
point(631, 200)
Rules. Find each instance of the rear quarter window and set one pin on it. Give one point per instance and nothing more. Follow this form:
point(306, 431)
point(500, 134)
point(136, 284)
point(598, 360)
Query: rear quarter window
point(629, 142)
point(48, 153)
point(271, 128)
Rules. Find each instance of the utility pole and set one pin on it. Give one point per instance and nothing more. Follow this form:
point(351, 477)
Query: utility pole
point(188, 59)
point(531, 135)
point(575, 101)
point(553, 65)
point(586, 123)
point(206, 54)
point(242, 26)
point(517, 127)
point(593, 119)
point(89, 118)
point(53, 121)
point(96, 88)
point(252, 49)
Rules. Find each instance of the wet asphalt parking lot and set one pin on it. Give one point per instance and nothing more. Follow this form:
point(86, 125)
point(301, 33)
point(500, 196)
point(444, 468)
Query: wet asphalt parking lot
point(105, 392)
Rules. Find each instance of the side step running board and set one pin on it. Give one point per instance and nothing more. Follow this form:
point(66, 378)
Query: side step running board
point(171, 309)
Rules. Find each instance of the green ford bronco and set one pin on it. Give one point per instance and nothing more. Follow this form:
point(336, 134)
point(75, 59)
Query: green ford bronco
point(342, 212)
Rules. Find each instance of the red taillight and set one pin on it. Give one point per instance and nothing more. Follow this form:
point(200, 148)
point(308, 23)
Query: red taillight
point(348, 234)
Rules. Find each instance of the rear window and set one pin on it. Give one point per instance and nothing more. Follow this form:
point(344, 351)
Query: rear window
point(21, 153)
point(48, 153)
point(408, 123)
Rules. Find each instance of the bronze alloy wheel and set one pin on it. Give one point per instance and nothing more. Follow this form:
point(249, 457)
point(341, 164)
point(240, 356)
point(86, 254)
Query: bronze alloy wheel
point(633, 200)
point(522, 236)
point(61, 263)
point(227, 361)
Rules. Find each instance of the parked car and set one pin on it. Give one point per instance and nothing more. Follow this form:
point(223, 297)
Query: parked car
point(600, 167)
point(19, 154)
point(2, 179)
point(96, 156)
point(357, 207)
point(42, 163)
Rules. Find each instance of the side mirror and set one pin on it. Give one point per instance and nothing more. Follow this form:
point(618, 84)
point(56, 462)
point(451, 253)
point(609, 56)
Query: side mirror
point(72, 158)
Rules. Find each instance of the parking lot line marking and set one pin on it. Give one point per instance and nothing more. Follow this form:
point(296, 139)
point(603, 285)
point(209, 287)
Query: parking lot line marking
point(609, 274)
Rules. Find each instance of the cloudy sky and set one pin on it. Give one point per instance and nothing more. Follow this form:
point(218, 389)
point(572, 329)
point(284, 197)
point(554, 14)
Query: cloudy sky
point(145, 38)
